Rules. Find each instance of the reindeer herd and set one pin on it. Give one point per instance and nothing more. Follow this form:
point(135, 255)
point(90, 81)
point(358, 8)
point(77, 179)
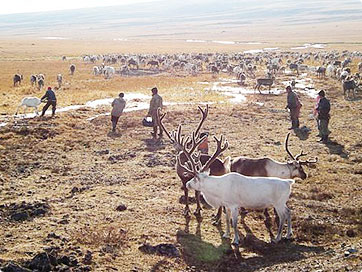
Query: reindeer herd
point(38, 80)
point(241, 65)
point(250, 183)
point(335, 65)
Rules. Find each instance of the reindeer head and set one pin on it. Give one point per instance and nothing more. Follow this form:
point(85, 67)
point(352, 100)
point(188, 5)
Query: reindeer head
point(295, 164)
point(193, 164)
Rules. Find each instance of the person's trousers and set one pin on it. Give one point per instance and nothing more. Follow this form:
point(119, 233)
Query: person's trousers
point(47, 105)
point(323, 127)
point(114, 120)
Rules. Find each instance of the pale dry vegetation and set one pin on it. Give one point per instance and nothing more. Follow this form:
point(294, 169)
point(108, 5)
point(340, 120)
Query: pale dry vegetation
point(83, 174)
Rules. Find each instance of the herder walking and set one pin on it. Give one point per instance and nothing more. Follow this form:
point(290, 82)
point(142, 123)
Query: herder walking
point(118, 106)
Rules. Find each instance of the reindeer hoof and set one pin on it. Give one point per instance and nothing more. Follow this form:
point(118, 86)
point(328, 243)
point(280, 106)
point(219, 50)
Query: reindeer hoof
point(197, 213)
point(216, 222)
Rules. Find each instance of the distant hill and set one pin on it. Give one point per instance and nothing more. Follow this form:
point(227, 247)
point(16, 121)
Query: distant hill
point(196, 19)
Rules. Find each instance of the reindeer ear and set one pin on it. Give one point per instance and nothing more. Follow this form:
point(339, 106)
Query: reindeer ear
point(227, 163)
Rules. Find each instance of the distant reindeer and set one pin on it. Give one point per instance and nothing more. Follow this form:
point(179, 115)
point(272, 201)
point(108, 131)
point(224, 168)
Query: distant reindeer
point(72, 69)
point(321, 71)
point(17, 79)
point(264, 82)
point(33, 80)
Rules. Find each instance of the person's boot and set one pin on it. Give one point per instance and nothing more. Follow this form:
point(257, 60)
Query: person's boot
point(297, 123)
point(293, 125)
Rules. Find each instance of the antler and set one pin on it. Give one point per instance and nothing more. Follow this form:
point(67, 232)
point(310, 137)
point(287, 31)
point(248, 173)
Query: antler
point(190, 161)
point(218, 151)
point(301, 154)
point(286, 147)
point(308, 161)
point(160, 118)
point(194, 143)
point(204, 114)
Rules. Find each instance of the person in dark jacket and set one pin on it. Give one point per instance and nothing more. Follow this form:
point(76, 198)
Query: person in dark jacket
point(294, 105)
point(323, 110)
point(51, 101)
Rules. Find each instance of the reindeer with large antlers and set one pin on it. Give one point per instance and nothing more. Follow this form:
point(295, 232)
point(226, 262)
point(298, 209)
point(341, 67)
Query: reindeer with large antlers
point(234, 190)
point(217, 167)
point(267, 167)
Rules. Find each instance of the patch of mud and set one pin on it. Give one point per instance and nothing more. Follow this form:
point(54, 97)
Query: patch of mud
point(23, 211)
point(51, 260)
point(168, 250)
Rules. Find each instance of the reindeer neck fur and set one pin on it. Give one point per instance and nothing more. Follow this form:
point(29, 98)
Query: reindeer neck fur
point(278, 169)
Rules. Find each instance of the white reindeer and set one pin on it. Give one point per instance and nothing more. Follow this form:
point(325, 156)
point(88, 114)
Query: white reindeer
point(29, 102)
point(234, 190)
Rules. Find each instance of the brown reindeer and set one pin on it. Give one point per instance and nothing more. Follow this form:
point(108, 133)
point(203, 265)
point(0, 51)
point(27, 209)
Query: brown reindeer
point(267, 167)
point(217, 167)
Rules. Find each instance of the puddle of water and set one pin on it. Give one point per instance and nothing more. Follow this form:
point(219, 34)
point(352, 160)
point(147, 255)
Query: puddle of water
point(196, 41)
point(253, 51)
point(249, 42)
point(308, 45)
point(271, 48)
point(305, 86)
point(95, 104)
point(54, 38)
point(224, 42)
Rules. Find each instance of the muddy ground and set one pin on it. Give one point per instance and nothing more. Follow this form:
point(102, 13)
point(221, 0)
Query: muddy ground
point(76, 197)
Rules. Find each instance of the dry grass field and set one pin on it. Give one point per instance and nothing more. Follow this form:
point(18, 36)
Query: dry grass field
point(80, 198)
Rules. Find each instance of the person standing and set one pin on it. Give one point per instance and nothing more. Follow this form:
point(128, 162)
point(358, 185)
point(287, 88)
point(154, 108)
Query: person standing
point(155, 103)
point(294, 105)
point(315, 113)
point(51, 101)
point(323, 109)
point(118, 106)
point(204, 146)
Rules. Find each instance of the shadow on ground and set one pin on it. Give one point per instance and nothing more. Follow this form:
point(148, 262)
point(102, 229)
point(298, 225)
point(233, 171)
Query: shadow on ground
point(252, 254)
point(337, 149)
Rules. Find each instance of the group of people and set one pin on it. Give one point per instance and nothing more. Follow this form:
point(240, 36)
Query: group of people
point(321, 112)
point(156, 102)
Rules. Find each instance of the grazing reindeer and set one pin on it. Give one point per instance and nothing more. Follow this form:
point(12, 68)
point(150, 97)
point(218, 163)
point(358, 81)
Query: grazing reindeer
point(234, 190)
point(264, 81)
point(267, 167)
point(17, 79)
point(217, 167)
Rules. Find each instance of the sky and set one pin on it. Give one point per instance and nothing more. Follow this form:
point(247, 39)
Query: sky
point(23, 6)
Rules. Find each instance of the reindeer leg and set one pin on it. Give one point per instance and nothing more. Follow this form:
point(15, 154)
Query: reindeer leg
point(227, 233)
point(187, 209)
point(290, 232)
point(217, 218)
point(197, 213)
